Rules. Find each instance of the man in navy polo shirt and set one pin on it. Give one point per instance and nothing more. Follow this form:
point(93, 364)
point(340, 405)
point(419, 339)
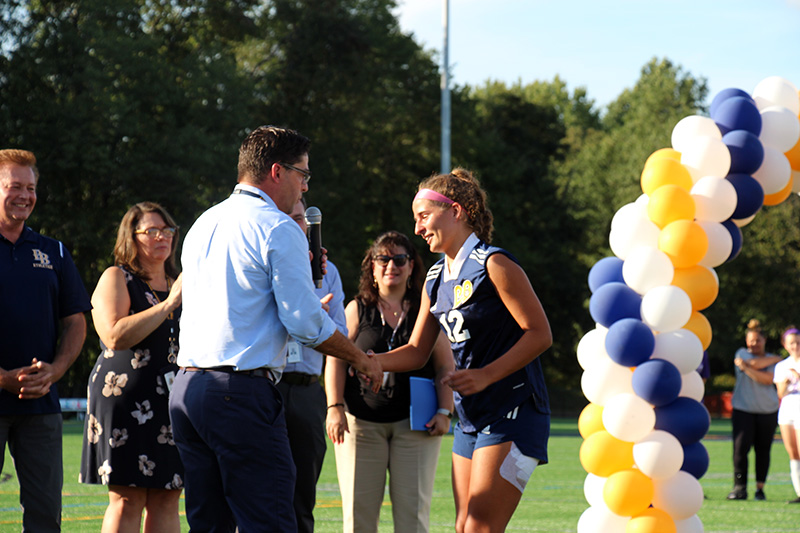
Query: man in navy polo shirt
point(40, 294)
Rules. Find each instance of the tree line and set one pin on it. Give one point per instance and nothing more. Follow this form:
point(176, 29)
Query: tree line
point(130, 100)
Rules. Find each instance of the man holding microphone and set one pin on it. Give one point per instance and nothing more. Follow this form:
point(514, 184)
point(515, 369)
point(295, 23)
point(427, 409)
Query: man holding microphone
point(246, 287)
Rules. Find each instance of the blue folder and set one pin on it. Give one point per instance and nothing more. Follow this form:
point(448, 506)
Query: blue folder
point(423, 402)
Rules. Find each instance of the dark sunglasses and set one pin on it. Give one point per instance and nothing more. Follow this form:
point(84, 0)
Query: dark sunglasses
point(399, 259)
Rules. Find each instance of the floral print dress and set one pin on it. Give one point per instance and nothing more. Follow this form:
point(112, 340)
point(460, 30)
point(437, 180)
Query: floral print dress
point(128, 437)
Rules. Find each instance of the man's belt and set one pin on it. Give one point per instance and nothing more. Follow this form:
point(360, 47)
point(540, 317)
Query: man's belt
point(298, 378)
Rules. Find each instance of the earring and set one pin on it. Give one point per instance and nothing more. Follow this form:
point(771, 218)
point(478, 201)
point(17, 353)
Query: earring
point(374, 281)
point(408, 282)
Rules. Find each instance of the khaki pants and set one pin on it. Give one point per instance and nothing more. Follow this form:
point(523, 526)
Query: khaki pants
point(371, 449)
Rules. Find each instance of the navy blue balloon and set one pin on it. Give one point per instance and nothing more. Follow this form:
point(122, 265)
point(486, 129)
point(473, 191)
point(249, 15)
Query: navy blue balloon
point(736, 237)
point(687, 419)
point(656, 381)
point(614, 301)
point(629, 342)
point(749, 195)
point(747, 152)
point(738, 113)
point(605, 271)
point(723, 95)
point(695, 459)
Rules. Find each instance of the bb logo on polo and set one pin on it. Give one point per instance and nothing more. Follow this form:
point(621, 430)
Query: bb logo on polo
point(41, 259)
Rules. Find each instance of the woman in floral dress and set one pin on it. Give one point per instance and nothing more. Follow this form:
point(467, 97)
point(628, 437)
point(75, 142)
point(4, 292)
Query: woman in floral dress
point(128, 441)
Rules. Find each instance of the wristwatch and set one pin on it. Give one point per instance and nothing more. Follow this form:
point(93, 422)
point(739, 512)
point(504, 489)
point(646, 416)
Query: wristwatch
point(445, 412)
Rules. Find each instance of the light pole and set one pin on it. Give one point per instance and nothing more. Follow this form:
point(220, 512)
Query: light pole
point(445, 86)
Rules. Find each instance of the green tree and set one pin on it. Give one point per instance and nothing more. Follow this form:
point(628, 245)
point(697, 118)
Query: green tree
point(120, 104)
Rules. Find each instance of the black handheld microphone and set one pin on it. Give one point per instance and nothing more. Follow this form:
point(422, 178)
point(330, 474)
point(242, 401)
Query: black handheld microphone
point(314, 222)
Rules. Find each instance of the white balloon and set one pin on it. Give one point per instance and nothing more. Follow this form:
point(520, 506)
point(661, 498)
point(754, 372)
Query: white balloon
point(647, 267)
point(780, 128)
point(720, 243)
point(601, 520)
point(706, 157)
point(641, 202)
point(774, 172)
point(681, 347)
point(714, 199)
point(681, 495)
point(592, 348)
point(692, 386)
point(628, 417)
point(775, 90)
point(742, 222)
point(593, 489)
point(690, 128)
point(604, 380)
point(666, 308)
point(626, 213)
point(689, 525)
point(659, 455)
point(636, 232)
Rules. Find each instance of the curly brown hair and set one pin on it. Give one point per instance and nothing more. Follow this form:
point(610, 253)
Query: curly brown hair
point(463, 187)
point(368, 291)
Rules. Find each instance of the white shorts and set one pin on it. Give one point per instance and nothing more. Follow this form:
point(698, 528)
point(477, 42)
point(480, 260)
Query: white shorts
point(789, 412)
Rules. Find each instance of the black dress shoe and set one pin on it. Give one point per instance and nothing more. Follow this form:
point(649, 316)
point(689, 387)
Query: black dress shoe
point(760, 495)
point(796, 500)
point(737, 494)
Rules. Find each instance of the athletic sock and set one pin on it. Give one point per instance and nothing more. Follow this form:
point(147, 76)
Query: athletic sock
point(794, 467)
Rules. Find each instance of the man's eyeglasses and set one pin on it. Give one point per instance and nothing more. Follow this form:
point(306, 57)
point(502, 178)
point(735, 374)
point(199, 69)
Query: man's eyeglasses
point(153, 233)
point(399, 259)
point(306, 173)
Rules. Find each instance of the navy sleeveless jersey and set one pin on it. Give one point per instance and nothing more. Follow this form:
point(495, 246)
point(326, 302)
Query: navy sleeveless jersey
point(481, 330)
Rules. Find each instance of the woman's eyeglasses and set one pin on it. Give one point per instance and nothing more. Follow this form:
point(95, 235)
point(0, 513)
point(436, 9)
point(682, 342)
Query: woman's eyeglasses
point(153, 233)
point(399, 259)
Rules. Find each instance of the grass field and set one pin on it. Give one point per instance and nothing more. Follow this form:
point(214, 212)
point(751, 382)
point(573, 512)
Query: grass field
point(553, 500)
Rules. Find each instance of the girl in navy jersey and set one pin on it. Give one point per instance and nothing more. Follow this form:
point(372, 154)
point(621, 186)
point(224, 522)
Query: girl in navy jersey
point(482, 300)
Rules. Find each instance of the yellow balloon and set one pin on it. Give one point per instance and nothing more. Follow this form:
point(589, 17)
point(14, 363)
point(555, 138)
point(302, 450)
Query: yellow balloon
point(780, 196)
point(602, 455)
point(652, 520)
point(591, 420)
point(661, 153)
point(669, 203)
point(665, 170)
point(628, 492)
point(684, 241)
point(700, 326)
point(699, 283)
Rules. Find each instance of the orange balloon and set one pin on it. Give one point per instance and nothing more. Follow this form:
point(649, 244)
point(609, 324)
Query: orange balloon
point(602, 455)
point(669, 203)
point(591, 420)
point(793, 155)
point(652, 520)
point(780, 196)
point(699, 283)
point(700, 326)
point(684, 241)
point(628, 492)
point(665, 171)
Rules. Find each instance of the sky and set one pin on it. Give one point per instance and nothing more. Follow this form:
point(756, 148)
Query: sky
point(602, 46)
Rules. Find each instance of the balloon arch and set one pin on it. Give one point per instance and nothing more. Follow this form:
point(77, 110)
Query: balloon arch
point(643, 426)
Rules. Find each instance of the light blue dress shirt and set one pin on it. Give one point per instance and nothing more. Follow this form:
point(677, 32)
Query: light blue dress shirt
point(247, 286)
point(310, 361)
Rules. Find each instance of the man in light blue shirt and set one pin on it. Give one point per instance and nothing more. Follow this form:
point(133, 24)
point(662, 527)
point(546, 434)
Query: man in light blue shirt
point(304, 397)
point(246, 287)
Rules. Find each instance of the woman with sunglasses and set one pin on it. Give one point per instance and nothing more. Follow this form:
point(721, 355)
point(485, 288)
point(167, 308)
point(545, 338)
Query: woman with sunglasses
point(128, 437)
point(371, 431)
point(483, 301)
